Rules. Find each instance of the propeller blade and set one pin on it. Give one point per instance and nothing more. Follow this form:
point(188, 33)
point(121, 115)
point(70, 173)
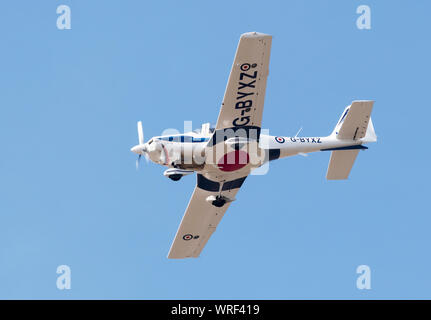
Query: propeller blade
point(140, 133)
point(147, 158)
point(137, 162)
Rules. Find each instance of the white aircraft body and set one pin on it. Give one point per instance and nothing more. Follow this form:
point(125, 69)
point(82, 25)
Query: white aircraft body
point(224, 156)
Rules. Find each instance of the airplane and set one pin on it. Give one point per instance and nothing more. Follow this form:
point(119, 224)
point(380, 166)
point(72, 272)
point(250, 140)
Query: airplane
point(223, 157)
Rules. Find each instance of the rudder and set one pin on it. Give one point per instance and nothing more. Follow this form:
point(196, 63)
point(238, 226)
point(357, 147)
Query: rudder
point(354, 121)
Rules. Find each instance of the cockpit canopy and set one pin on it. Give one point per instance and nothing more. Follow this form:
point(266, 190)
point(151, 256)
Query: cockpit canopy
point(205, 129)
point(204, 133)
point(183, 138)
point(199, 131)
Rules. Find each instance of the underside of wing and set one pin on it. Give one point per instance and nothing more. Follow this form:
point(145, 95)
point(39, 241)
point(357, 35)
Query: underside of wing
point(201, 217)
point(245, 92)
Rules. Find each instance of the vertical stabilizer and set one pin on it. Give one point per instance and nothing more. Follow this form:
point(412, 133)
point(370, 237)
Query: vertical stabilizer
point(354, 121)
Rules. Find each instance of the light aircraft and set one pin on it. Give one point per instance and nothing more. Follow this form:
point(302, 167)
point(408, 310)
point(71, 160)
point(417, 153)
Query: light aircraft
point(223, 157)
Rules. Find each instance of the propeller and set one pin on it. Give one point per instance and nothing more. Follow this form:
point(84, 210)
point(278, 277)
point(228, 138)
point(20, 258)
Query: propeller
point(141, 146)
point(138, 162)
point(140, 133)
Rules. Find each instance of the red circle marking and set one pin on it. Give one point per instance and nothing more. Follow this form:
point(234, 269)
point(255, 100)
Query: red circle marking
point(234, 160)
point(187, 237)
point(245, 66)
point(280, 139)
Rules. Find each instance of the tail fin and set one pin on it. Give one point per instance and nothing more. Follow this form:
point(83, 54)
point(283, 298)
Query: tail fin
point(370, 136)
point(354, 122)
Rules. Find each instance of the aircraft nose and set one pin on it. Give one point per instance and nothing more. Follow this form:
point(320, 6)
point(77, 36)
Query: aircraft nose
point(135, 149)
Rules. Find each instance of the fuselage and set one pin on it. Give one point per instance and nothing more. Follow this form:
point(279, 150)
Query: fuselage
point(193, 151)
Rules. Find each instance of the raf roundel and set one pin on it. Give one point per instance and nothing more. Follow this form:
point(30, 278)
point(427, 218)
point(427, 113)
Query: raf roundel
point(245, 66)
point(188, 237)
point(279, 139)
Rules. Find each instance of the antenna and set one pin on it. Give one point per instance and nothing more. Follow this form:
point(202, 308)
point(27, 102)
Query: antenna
point(300, 129)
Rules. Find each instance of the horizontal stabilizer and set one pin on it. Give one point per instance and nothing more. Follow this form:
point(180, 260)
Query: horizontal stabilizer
point(341, 163)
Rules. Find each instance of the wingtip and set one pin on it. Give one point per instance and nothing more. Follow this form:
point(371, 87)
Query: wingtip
point(367, 101)
point(255, 34)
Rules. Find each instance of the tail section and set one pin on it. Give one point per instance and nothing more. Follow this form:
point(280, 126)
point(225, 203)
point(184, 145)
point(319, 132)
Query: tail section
point(341, 163)
point(354, 121)
point(354, 124)
point(370, 136)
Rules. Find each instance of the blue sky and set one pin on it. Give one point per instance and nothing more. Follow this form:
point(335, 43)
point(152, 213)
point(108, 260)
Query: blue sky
point(70, 193)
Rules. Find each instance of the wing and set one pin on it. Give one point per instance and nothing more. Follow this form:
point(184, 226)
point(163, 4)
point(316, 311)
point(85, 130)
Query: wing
point(201, 218)
point(245, 92)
